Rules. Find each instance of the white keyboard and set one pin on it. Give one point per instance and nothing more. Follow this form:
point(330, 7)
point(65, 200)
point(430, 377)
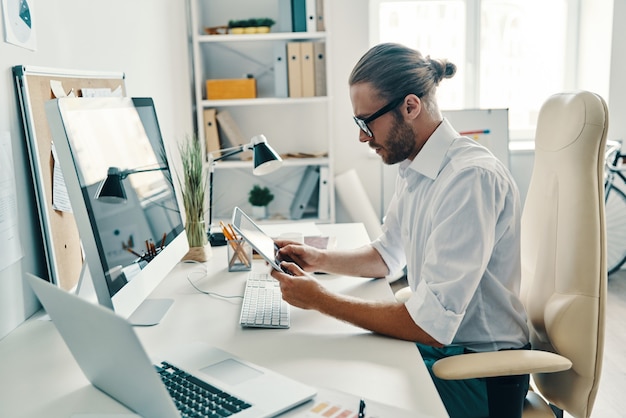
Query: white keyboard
point(263, 305)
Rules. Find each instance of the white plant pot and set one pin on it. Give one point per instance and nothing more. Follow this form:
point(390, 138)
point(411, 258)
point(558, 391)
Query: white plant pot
point(259, 212)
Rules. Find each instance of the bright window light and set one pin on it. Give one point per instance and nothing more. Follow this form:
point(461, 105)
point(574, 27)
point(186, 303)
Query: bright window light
point(509, 53)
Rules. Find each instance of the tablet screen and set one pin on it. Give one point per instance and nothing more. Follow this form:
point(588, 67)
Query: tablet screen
point(259, 240)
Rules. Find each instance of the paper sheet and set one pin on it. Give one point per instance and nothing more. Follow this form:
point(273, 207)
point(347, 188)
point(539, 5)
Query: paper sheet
point(60, 198)
point(58, 91)
point(335, 404)
point(9, 232)
point(101, 92)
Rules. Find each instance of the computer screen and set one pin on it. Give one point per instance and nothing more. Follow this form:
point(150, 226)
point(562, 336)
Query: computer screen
point(129, 247)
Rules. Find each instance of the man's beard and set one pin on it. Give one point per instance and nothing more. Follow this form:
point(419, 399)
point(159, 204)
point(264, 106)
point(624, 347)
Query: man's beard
point(400, 142)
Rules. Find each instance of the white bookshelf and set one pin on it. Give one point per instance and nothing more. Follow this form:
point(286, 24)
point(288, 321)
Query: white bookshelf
point(291, 125)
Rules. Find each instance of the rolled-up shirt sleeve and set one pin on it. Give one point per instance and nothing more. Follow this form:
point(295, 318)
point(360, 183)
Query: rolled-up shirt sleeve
point(389, 244)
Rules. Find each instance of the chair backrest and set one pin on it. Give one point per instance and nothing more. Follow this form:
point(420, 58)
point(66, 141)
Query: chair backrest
point(563, 254)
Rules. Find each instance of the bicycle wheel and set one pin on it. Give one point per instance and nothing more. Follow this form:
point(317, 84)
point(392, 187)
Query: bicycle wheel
point(615, 211)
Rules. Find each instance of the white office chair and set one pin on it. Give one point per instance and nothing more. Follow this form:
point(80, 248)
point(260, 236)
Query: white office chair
point(563, 266)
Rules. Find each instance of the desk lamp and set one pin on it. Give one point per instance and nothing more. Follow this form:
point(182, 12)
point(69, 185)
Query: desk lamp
point(111, 190)
point(265, 159)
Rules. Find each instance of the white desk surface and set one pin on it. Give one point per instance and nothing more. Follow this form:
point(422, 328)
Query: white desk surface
point(39, 377)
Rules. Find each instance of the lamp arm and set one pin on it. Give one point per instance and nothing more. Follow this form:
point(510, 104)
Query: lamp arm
point(127, 173)
point(228, 152)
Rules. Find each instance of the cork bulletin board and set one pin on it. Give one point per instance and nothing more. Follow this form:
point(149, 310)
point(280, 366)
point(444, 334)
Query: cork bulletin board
point(35, 86)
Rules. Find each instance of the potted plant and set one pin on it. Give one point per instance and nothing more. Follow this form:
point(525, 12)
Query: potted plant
point(193, 186)
point(252, 25)
point(236, 26)
point(249, 26)
point(259, 197)
point(264, 24)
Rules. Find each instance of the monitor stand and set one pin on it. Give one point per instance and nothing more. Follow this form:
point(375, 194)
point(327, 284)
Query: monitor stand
point(148, 313)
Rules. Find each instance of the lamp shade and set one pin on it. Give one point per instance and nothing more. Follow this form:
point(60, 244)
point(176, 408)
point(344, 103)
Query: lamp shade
point(266, 159)
point(111, 189)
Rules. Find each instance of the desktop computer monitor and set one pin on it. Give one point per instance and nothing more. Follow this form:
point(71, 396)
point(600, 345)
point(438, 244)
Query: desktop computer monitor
point(129, 246)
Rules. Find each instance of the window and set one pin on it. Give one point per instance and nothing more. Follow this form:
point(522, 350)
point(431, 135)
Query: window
point(509, 53)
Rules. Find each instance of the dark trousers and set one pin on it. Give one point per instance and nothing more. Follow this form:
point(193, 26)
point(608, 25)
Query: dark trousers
point(493, 397)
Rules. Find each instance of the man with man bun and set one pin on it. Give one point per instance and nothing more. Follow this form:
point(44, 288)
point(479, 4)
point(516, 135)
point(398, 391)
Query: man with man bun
point(454, 222)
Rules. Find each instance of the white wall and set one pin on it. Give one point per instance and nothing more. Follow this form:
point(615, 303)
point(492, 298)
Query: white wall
point(348, 27)
point(145, 39)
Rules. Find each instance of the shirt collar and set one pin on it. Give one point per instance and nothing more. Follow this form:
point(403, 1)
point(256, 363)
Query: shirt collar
point(429, 160)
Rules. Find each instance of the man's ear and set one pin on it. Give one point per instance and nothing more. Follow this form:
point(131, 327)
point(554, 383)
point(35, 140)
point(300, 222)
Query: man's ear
point(412, 106)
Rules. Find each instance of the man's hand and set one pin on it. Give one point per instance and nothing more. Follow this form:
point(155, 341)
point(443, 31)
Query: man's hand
point(298, 288)
point(306, 257)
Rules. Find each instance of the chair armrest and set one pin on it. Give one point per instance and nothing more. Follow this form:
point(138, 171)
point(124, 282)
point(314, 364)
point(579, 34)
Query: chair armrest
point(499, 363)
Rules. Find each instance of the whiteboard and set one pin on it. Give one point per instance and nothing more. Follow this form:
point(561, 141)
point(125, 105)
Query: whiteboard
point(495, 121)
point(489, 127)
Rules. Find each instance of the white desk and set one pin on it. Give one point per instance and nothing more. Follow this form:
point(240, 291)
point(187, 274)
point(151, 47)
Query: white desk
point(38, 376)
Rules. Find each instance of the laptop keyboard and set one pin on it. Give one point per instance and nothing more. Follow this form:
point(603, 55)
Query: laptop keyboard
point(196, 398)
point(263, 305)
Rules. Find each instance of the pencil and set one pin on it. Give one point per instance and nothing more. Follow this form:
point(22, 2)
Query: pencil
point(231, 238)
point(240, 246)
point(226, 232)
point(232, 231)
point(131, 251)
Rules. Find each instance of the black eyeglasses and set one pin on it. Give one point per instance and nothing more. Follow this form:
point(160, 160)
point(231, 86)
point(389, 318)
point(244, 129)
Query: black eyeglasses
point(362, 123)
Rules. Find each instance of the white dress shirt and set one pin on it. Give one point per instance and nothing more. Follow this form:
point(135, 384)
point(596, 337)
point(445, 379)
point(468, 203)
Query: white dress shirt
point(454, 221)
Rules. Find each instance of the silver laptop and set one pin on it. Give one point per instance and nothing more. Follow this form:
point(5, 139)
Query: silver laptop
point(111, 356)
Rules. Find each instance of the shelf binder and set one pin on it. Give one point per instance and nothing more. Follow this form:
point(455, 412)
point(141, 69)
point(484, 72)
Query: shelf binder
point(321, 25)
point(308, 69)
point(323, 201)
point(311, 15)
point(305, 191)
point(211, 135)
point(294, 69)
point(231, 133)
point(298, 15)
point(281, 80)
point(284, 21)
point(319, 54)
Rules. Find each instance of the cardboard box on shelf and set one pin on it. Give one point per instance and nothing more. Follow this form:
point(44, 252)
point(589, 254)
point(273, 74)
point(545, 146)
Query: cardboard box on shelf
point(236, 88)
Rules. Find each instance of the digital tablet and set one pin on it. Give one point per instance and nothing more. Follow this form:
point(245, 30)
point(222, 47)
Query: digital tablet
point(259, 240)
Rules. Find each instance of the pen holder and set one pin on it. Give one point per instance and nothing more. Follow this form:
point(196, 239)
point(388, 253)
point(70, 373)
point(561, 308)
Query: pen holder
point(239, 255)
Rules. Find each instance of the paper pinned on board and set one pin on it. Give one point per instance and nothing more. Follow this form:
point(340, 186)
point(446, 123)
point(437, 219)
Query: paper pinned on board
point(9, 230)
point(58, 91)
point(56, 87)
point(101, 92)
point(60, 197)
